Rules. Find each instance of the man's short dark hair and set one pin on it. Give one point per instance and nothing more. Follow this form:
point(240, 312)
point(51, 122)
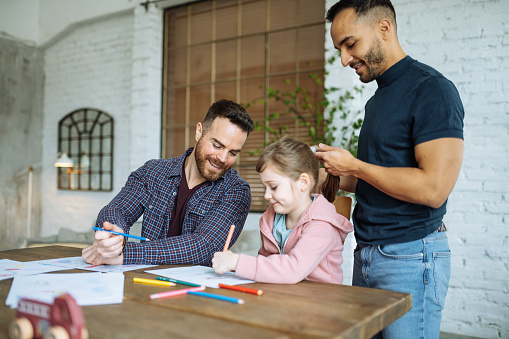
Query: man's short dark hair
point(362, 8)
point(230, 110)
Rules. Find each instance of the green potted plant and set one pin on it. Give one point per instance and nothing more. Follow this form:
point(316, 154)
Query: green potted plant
point(315, 110)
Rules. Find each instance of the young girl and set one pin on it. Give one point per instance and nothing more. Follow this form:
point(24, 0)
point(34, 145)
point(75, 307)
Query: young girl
point(302, 235)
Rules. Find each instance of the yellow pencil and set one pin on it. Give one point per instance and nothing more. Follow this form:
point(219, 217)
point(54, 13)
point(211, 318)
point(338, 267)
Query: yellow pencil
point(153, 282)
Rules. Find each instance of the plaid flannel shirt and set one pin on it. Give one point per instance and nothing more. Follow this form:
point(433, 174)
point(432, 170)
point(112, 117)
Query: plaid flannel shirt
point(151, 190)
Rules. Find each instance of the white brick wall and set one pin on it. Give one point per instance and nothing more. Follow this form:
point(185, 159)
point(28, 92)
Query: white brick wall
point(146, 86)
point(112, 63)
point(468, 41)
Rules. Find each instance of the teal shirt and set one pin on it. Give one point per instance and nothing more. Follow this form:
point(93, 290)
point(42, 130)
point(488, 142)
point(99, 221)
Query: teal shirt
point(279, 230)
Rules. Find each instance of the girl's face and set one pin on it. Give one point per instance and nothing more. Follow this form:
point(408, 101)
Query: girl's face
point(283, 193)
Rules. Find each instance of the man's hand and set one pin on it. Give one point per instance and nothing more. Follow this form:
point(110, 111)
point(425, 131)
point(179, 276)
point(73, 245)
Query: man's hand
point(91, 256)
point(339, 162)
point(225, 262)
point(107, 247)
point(336, 161)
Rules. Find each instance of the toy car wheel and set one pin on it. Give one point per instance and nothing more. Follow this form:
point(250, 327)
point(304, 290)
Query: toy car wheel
point(21, 328)
point(56, 332)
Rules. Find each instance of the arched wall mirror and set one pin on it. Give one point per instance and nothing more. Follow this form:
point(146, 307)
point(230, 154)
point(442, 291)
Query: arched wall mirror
point(86, 137)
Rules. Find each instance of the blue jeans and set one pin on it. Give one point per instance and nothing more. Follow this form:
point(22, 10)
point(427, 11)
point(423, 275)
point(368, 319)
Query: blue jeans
point(422, 268)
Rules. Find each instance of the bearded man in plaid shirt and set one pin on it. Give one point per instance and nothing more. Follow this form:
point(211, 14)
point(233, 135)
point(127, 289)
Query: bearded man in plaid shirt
point(188, 203)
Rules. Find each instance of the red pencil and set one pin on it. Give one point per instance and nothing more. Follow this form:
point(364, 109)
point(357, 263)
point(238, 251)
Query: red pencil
point(242, 289)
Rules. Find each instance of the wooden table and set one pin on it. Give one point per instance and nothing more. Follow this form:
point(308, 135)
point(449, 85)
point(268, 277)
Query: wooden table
point(306, 309)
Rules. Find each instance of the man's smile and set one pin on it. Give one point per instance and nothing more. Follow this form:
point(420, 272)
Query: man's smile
point(357, 67)
point(217, 167)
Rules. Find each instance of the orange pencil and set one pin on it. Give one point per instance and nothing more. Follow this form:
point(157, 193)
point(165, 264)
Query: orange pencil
point(229, 238)
point(242, 289)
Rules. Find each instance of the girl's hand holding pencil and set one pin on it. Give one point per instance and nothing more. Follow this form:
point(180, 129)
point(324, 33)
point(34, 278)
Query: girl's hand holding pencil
point(223, 262)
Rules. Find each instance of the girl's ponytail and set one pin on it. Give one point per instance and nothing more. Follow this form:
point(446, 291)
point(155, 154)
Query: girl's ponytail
point(330, 187)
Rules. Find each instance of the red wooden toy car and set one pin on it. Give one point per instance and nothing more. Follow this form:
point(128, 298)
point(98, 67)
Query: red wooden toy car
point(35, 319)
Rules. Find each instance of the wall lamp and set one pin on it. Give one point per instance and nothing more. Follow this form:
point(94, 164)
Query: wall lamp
point(63, 160)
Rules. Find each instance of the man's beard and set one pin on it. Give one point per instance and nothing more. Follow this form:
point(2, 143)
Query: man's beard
point(373, 62)
point(203, 168)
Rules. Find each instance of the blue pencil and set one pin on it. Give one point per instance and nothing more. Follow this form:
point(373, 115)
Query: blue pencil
point(122, 234)
point(218, 297)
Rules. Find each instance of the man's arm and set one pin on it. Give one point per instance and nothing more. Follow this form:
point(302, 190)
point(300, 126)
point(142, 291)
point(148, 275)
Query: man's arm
point(128, 204)
point(118, 215)
point(439, 163)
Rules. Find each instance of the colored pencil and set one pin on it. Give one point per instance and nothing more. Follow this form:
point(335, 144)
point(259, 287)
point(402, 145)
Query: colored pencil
point(176, 292)
point(242, 289)
point(229, 238)
point(122, 234)
point(218, 297)
point(91, 266)
point(178, 281)
point(153, 282)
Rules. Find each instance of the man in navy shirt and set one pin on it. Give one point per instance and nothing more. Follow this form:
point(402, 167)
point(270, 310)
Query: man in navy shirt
point(188, 203)
point(409, 158)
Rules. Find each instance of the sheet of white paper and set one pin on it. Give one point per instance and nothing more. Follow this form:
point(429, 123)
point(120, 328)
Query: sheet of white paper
point(11, 268)
point(201, 275)
point(79, 263)
point(86, 288)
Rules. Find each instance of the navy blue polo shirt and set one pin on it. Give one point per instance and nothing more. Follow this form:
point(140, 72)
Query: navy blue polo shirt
point(413, 104)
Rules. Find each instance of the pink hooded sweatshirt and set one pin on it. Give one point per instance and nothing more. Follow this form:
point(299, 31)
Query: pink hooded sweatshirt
point(313, 250)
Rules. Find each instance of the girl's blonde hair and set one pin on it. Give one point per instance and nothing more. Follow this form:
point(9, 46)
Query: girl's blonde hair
point(292, 158)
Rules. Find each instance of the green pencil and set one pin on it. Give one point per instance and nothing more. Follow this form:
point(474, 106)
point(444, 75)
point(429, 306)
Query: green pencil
point(178, 281)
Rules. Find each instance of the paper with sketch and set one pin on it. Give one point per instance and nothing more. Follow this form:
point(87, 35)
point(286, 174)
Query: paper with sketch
point(86, 288)
point(79, 263)
point(11, 268)
point(201, 275)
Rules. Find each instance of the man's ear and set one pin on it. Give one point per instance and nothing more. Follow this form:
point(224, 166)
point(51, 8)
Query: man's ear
point(304, 182)
point(385, 28)
point(199, 131)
